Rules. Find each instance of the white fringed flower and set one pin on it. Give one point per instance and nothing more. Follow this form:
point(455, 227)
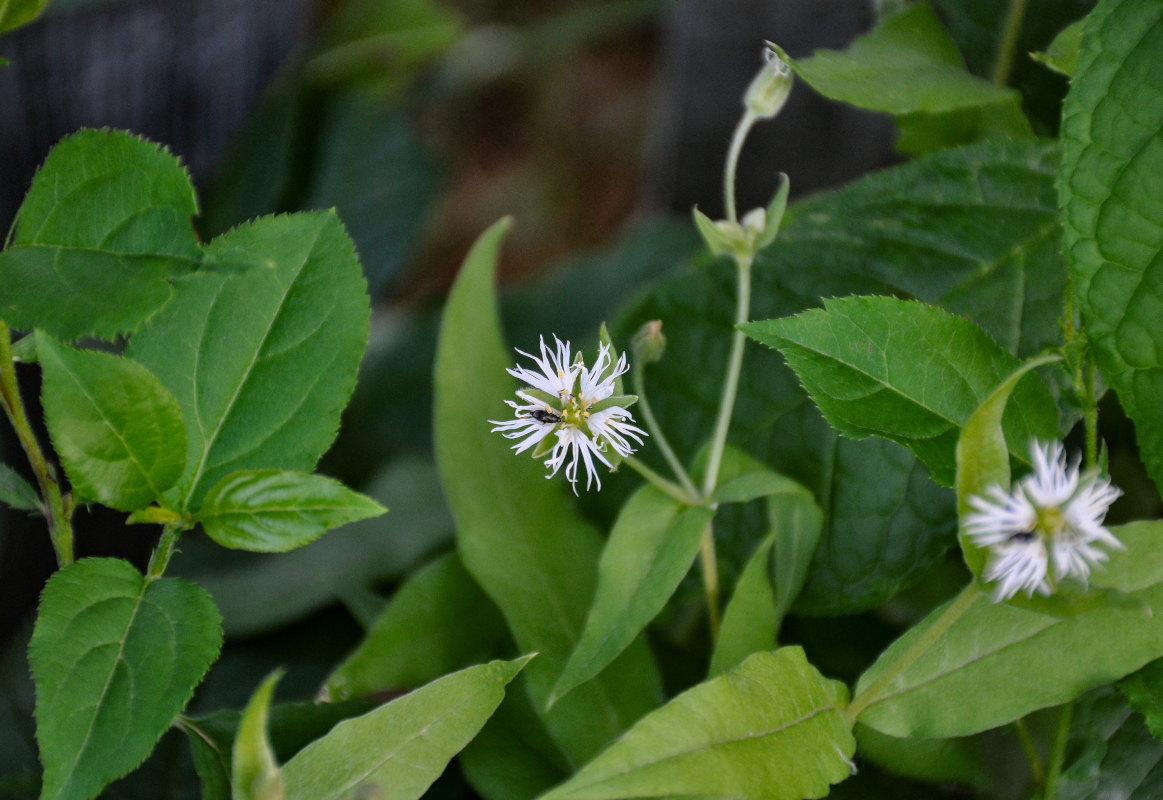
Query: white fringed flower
point(575, 404)
point(1047, 528)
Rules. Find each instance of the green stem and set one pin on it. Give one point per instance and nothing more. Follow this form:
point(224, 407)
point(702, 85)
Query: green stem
point(1090, 410)
point(58, 508)
point(737, 139)
point(731, 381)
point(710, 567)
point(671, 488)
point(656, 433)
point(1009, 42)
point(165, 548)
point(1058, 752)
point(1030, 749)
point(872, 693)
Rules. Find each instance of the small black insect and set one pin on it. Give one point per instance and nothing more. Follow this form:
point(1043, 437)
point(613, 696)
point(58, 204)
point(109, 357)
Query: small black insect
point(1022, 536)
point(545, 416)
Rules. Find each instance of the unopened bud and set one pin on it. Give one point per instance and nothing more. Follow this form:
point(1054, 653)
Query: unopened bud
point(648, 343)
point(770, 88)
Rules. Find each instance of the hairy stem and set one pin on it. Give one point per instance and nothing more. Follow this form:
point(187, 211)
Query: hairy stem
point(57, 507)
point(165, 548)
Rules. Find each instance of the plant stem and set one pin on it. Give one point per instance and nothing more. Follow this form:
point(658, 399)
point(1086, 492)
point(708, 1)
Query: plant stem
point(1058, 752)
point(671, 488)
point(872, 693)
point(731, 380)
point(1036, 770)
point(656, 432)
point(57, 507)
point(165, 549)
point(737, 139)
point(1009, 42)
point(1090, 410)
point(710, 566)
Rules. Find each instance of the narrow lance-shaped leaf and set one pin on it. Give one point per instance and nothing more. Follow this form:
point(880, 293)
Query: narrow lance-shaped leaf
point(115, 657)
point(105, 227)
point(1112, 157)
point(254, 772)
point(119, 432)
point(772, 728)
point(271, 510)
point(403, 746)
point(16, 491)
point(262, 359)
point(516, 534)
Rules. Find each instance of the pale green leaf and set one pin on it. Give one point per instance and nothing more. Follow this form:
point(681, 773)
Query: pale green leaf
point(905, 371)
point(436, 622)
point(271, 511)
point(16, 491)
point(261, 359)
point(771, 729)
point(118, 431)
point(513, 758)
point(14, 13)
point(651, 548)
point(115, 657)
point(403, 746)
point(749, 620)
point(1017, 652)
point(1112, 161)
point(1062, 54)
point(254, 772)
point(530, 551)
point(105, 227)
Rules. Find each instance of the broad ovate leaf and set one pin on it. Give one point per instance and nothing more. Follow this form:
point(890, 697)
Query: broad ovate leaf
point(115, 657)
point(272, 510)
point(973, 642)
point(905, 371)
point(104, 229)
point(773, 728)
point(402, 746)
point(1112, 159)
point(263, 356)
point(118, 431)
point(519, 538)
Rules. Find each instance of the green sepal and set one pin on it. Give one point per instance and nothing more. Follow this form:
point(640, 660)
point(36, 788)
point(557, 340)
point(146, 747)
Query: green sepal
point(546, 445)
point(550, 400)
point(255, 773)
point(620, 400)
point(711, 234)
point(775, 211)
point(157, 515)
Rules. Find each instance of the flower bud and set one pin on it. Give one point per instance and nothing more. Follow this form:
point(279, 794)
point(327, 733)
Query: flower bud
point(648, 343)
point(770, 88)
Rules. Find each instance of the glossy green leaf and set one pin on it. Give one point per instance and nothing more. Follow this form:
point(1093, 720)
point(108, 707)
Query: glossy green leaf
point(1062, 54)
point(772, 728)
point(974, 230)
point(16, 491)
point(403, 746)
point(438, 621)
point(105, 227)
point(907, 64)
point(1016, 652)
point(254, 773)
point(115, 657)
point(530, 551)
point(119, 432)
point(14, 13)
point(906, 371)
point(1112, 158)
point(271, 510)
point(261, 359)
point(651, 548)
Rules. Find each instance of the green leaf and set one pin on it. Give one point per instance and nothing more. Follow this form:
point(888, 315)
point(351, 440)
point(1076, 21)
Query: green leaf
point(14, 13)
point(923, 132)
point(119, 432)
point(923, 693)
point(1112, 157)
point(974, 230)
point(1144, 691)
point(651, 548)
point(104, 229)
point(905, 371)
point(261, 360)
point(1062, 54)
point(772, 728)
point(437, 622)
point(1113, 752)
point(967, 761)
point(402, 746)
point(115, 656)
point(254, 773)
point(513, 758)
point(16, 491)
point(272, 511)
point(516, 534)
point(749, 621)
point(908, 63)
